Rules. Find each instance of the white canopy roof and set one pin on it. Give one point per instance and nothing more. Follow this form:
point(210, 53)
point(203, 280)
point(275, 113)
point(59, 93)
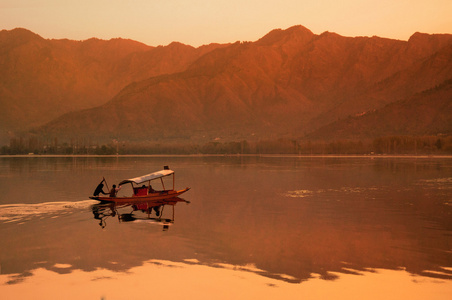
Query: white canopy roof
point(152, 176)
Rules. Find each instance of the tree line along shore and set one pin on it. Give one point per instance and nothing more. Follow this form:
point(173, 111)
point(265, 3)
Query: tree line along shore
point(393, 145)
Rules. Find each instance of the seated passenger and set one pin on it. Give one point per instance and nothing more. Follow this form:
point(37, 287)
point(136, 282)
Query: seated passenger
point(114, 191)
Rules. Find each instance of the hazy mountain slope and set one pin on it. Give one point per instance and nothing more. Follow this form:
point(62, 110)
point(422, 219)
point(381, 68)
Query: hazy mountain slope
point(233, 91)
point(41, 79)
point(426, 113)
point(425, 71)
point(288, 83)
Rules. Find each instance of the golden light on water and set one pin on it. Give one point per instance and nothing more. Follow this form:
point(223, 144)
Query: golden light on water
point(190, 280)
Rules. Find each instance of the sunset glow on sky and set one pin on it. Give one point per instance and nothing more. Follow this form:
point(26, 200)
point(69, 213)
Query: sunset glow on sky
point(198, 22)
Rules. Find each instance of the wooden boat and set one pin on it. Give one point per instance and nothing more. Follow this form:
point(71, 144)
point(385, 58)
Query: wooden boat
point(145, 192)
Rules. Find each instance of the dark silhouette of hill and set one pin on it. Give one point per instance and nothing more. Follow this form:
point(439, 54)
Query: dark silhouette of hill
point(287, 84)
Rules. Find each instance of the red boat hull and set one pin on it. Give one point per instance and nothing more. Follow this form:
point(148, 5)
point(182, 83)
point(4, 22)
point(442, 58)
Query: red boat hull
point(161, 195)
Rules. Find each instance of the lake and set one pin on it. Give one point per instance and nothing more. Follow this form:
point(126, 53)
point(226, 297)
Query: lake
point(251, 227)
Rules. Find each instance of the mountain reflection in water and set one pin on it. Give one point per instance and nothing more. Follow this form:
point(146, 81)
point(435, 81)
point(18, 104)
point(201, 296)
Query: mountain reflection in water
point(284, 219)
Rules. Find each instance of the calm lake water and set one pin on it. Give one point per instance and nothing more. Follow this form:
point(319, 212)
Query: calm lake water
point(249, 228)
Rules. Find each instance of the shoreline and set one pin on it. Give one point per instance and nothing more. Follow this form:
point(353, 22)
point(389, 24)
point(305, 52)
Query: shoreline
point(372, 156)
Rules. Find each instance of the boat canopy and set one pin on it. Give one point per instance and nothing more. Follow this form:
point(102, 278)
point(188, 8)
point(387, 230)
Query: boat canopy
point(148, 177)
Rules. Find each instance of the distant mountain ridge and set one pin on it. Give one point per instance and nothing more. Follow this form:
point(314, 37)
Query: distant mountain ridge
point(290, 83)
point(42, 79)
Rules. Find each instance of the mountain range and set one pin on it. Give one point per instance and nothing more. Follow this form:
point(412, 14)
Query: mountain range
point(290, 83)
point(42, 79)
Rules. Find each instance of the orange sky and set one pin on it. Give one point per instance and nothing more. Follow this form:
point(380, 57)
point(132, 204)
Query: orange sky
point(197, 22)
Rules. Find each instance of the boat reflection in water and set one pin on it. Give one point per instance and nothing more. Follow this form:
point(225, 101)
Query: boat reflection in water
point(143, 211)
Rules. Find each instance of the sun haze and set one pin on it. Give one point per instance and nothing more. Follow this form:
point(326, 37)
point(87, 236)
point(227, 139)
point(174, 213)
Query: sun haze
point(198, 22)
